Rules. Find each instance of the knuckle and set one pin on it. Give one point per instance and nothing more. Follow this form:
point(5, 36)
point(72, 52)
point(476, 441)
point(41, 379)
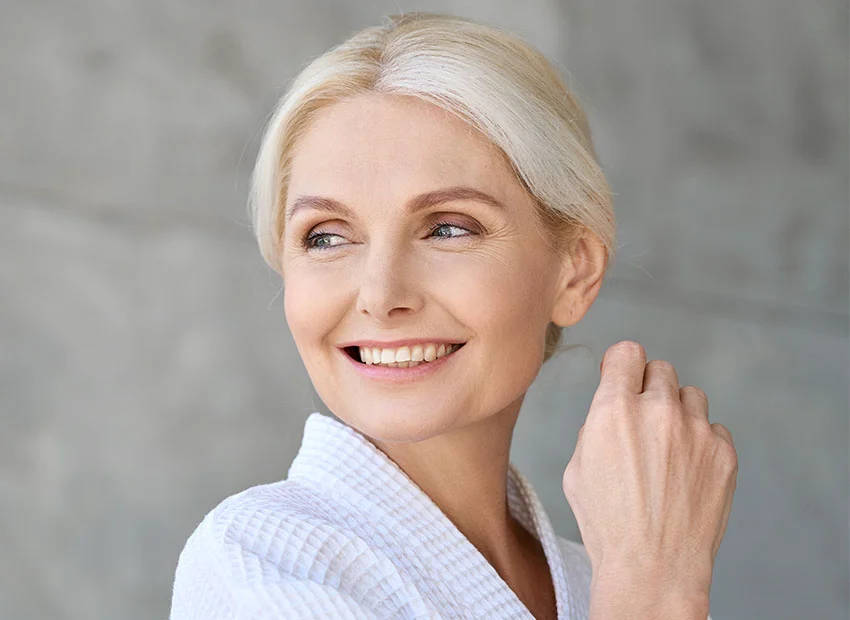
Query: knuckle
point(728, 456)
point(692, 390)
point(661, 366)
point(570, 479)
point(668, 413)
point(702, 429)
point(721, 428)
point(662, 410)
point(581, 430)
point(662, 401)
point(723, 432)
point(669, 417)
point(627, 347)
point(612, 401)
point(632, 347)
point(623, 408)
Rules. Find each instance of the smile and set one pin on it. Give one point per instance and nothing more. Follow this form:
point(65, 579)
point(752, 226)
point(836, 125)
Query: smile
point(405, 371)
point(402, 357)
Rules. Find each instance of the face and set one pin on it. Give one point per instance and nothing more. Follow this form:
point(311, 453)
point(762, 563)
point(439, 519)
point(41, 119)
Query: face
point(386, 267)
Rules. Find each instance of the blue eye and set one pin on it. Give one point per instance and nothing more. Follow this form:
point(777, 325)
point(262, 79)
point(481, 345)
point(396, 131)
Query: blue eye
point(312, 241)
point(440, 225)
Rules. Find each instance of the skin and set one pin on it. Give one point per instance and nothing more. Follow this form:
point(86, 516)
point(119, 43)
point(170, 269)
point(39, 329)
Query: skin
point(494, 284)
point(651, 484)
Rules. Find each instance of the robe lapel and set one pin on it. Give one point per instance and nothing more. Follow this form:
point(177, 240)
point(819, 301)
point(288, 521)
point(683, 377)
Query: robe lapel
point(383, 506)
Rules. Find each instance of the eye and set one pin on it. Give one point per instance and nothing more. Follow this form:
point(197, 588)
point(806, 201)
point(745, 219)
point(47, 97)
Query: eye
point(317, 240)
point(312, 239)
point(440, 225)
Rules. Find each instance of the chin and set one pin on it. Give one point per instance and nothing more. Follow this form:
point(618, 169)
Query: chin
point(399, 424)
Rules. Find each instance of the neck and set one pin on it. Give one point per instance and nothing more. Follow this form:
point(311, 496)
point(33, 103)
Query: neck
point(464, 471)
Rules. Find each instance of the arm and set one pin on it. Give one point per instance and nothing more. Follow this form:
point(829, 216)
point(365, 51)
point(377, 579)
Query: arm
point(650, 483)
point(617, 594)
point(602, 599)
point(615, 602)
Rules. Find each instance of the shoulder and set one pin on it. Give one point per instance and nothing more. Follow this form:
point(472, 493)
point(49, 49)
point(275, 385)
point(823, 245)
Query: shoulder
point(263, 520)
point(266, 526)
point(277, 548)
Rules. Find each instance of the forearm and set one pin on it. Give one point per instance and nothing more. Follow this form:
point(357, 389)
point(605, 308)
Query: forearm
point(617, 596)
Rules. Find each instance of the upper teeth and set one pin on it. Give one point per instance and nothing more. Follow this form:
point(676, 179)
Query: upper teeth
point(406, 355)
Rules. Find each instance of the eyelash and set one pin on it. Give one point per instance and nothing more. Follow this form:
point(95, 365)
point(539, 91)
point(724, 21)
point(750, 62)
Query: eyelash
point(308, 242)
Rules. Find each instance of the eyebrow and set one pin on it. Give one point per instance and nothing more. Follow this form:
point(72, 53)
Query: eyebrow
point(422, 201)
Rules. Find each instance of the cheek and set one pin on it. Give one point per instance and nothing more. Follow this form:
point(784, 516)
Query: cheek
point(505, 299)
point(308, 305)
point(506, 310)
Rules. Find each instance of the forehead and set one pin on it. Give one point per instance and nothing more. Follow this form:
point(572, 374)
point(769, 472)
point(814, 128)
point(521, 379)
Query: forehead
point(395, 140)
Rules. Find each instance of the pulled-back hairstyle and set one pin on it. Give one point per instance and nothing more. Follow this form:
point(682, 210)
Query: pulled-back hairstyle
point(487, 76)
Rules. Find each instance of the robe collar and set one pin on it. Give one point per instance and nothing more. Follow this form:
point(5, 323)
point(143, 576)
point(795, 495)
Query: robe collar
point(349, 470)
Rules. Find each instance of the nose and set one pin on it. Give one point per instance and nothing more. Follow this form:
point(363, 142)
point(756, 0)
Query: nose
point(389, 284)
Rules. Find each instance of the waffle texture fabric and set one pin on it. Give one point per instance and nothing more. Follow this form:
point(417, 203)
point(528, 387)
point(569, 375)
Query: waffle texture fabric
point(348, 535)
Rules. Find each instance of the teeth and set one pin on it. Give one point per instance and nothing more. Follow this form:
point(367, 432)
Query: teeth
point(405, 357)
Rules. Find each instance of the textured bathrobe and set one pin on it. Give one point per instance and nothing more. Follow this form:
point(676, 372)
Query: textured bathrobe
point(349, 535)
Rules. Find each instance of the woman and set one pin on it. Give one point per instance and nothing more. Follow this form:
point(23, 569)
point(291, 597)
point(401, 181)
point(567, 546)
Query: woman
point(429, 193)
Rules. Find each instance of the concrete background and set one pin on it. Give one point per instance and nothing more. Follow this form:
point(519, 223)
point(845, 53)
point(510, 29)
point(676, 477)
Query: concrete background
point(147, 371)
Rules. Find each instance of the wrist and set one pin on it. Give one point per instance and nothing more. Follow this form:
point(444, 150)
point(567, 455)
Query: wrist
point(622, 593)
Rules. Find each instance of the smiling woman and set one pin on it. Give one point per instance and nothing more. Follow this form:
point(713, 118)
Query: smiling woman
point(430, 195)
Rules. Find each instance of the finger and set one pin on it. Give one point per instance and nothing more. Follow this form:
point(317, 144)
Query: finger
point(661, 376)
point(622, 368)
point(727, 511)
point(724, 432)
point(694, 401)
point(730, 491)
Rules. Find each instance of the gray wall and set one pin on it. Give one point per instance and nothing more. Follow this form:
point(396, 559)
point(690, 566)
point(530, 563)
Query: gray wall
point(147, 371)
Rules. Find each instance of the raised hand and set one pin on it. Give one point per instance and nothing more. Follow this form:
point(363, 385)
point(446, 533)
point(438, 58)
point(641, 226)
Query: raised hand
point(651, 484)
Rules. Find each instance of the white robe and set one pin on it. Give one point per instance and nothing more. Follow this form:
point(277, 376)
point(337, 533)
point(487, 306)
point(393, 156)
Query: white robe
point(349, 535)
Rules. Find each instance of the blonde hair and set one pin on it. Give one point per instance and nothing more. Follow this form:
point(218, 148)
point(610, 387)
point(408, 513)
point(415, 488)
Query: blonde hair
point(487, 76)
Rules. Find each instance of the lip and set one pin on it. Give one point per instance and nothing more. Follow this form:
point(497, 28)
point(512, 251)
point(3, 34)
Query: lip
point(400, 375)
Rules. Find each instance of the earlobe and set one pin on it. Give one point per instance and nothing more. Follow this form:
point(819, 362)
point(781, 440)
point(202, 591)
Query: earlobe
point(564, 310)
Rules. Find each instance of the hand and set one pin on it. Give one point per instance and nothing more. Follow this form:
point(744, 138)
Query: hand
point(650, 481)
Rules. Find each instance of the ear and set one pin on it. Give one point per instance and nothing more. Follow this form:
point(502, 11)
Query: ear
point(583, 267)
